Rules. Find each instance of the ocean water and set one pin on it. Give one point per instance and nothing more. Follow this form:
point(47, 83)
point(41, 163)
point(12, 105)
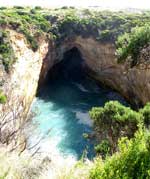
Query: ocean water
point(61, 112)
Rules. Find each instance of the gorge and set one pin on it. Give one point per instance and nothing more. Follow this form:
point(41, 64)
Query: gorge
point(73, 60)
point(62, 105)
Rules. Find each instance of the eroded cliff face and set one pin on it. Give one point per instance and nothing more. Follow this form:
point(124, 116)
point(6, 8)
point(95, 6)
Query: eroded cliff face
point(31, 69)
point(20, 86)
point(132, 83)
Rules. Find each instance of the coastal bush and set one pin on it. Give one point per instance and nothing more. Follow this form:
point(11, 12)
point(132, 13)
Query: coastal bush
point(18, 7)
point(3, 8)
point(145, 111)
point(33, 11)
point(38, 7)
point(132, 160)
point(26, 21)
point(114, 121)
point(130, 44)
point(6, 51)
point(103, 148)
point(102, 25)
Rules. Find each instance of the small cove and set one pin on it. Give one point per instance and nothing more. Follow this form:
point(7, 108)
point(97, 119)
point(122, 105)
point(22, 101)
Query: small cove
point(61, 109)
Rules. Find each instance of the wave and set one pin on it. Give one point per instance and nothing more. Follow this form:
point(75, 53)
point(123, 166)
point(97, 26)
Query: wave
point(47, 148)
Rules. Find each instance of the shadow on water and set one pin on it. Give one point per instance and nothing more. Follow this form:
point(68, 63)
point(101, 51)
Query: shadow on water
point(68, 95)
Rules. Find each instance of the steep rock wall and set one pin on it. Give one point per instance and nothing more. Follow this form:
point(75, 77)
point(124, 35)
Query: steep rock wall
point(20, 85)
point(132, 83)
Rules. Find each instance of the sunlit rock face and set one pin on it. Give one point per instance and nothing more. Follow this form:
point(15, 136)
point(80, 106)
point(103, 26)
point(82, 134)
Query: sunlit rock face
point(20, 85)
point(100, 59)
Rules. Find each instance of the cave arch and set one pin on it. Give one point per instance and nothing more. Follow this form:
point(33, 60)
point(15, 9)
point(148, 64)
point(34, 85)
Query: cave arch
point(71, 66)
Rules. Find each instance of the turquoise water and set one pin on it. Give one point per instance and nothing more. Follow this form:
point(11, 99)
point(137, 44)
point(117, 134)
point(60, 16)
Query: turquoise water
point(62, 107)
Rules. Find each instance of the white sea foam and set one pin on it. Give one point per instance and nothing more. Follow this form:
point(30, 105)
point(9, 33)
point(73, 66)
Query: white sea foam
point(48, 130)
point(48, 148)
point(84, 118)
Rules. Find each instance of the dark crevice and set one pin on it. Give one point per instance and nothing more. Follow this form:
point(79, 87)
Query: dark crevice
point(71, 67)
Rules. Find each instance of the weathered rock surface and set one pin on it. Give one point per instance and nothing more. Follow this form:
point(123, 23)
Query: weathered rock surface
point(32, 67)
point(20, 86)
point(132, 83)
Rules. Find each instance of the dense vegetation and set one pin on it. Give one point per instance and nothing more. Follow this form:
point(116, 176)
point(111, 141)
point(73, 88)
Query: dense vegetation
point(103, 25)
point(64, 23)
point(27, 21)
point(6, 52)
point(114, 121)
point(130, 32)
point(131, 44)
point(132, 160)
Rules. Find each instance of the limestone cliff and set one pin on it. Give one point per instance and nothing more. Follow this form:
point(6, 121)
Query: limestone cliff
point(100, 58)
point(32, 67)
point(20, 84)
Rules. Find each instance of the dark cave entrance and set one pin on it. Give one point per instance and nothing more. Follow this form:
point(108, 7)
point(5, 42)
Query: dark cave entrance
point(72, 67)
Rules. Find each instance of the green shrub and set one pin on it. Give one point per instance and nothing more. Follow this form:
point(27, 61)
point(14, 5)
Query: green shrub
point(130, 44)
point(131, 162)
point(3, 22)
point(21, 13)
point(3, 8)
point(65, 7)
point(104, 26)
point(3, 98)
point(18, 7)
point(27, 21)
point(114, 120)
point(105, 34)
point(145, 111)
point(38, 7)
point(6, 52)
point(103, 148)
point(33, 11)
